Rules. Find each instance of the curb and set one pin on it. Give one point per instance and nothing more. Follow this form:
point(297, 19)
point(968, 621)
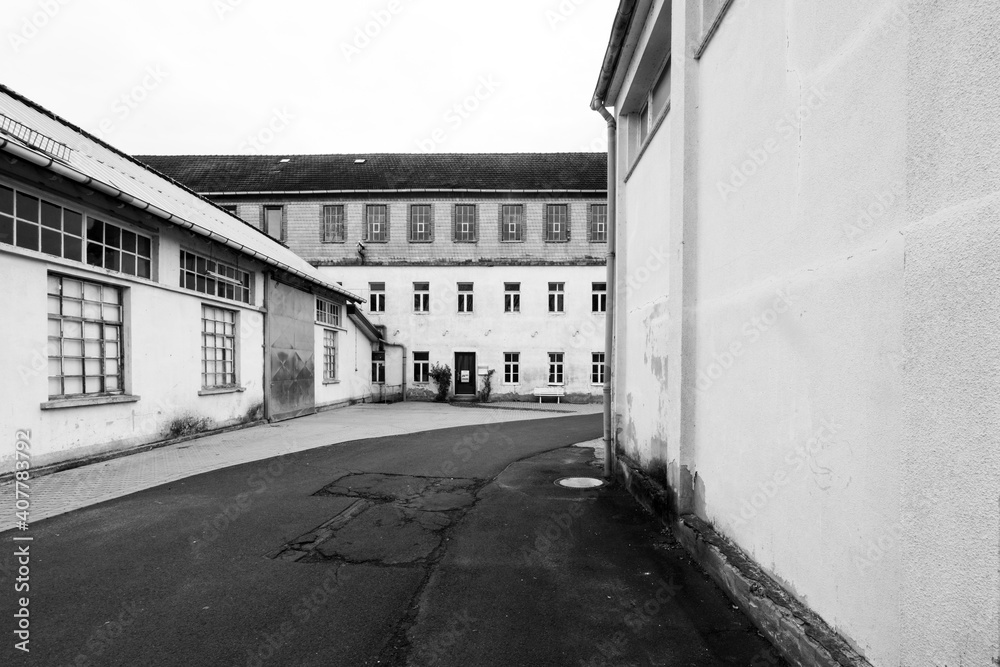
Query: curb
point(802, 637)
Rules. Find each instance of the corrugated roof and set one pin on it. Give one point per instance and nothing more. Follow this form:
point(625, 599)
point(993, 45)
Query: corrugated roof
point(217, 174)
point(105, 165)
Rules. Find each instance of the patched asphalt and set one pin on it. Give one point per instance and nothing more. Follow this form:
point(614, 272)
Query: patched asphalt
point(449, 547)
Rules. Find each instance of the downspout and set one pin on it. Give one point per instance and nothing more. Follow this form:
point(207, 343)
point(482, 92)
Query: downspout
point(609, 315)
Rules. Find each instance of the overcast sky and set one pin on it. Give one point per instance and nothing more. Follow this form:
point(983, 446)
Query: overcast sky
point(312, 76)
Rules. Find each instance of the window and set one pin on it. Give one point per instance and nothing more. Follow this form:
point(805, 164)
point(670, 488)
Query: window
point(333, 224)
point(214, 278)
point(376, 297)
point(378, 371)
point(557, 295)
point(465, 297)
point(85, 338)
point(228, 208)
point(511, 367)
point(421, 223)
point(421, 297)
point(598, 223)
point(421, 367)
point(377, 223)
point(35, 224)
point(643, 123)
point(555, 367)
point(511, 222)
point(327, 312)
point(556, 223)
point(597, 368)
point(274, 222)
point(218, 347)
point(329, 355)
point(116, 249)
point(512, 297)
point(599, 298)
point(465, 223)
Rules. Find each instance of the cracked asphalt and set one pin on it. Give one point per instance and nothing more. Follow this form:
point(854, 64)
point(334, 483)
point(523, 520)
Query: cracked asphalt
point(447, 547)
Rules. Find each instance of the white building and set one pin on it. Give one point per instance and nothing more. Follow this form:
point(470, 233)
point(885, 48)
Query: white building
point(814, 373)
point(476, 261)
point(137, 311)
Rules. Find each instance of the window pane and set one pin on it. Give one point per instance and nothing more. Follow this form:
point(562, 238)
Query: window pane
point(51, 215)
point(27, 207)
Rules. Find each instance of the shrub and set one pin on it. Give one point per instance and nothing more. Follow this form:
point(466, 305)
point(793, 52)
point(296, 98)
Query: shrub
point(484, 393)
point(442, 376)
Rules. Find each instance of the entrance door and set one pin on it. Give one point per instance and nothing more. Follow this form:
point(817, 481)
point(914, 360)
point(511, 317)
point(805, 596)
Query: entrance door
point(465, 373)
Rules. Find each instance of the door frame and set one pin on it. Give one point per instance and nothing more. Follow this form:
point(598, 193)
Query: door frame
point(472, 372)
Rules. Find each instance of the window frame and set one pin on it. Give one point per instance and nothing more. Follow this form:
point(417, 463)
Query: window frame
point(328, 313)
point(376, 297)
point(421, 367)
point(512, 298)
point(233, 350)
point(246, 287)
point(384, 236)
point(511, 368)
point(411, 229)
point(557, 298)
point(331, 365)
point(326, 224)
point(557, 369)
point(518, 225)
point(593, 220)
point(282, 224)
point(548, 233)
point(466, 295)
point(598, 368)
point(421, 298)
point(378, 364)
point(598, 298)
point(474, 222)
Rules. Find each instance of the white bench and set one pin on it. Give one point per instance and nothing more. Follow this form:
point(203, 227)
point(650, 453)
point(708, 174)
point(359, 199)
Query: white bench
point(556, 392)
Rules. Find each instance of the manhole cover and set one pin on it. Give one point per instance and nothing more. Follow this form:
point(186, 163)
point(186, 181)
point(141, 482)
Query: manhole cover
point(580, 482)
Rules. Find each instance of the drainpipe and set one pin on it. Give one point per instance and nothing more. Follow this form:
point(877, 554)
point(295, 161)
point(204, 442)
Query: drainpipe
point(609, 316)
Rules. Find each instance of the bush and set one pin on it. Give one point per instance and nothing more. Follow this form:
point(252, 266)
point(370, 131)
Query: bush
point(484, 393)
point(442, 376)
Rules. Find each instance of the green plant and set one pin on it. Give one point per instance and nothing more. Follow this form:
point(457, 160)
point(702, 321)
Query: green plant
point(442, 376)
point(187, 425)
point(487, 389)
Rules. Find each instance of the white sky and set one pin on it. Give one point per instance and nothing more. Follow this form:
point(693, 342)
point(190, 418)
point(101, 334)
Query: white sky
point(295, 77)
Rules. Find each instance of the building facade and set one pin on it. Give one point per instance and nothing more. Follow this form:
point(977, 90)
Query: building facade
point(491, 262)
point(138, 311)
point(812, 371)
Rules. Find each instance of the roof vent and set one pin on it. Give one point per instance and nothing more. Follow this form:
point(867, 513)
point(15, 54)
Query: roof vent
point(360, 160)
point(284, 159)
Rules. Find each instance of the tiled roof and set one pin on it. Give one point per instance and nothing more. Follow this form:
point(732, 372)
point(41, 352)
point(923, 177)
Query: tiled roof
point(51, 142)
point(217, 174)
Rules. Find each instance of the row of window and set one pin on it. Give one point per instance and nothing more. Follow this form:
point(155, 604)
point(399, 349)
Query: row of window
point(465, 227)
point(511, 297)
point(511, 368)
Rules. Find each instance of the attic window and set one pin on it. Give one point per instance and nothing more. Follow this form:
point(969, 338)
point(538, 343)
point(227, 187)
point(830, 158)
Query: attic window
point(360, 161)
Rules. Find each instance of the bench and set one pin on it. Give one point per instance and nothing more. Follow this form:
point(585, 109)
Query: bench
point(555, 392)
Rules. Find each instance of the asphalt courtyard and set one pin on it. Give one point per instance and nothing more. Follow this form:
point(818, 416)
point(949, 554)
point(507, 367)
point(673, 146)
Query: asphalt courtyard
point(451, 546)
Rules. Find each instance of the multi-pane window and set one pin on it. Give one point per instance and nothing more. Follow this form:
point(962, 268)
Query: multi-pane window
point(218, 347)
point(421, 367)
point(117, 249)
point(376, 223)
point(329, 355)
point(557, 297)
point(512, 297)
point(378, 371)
point(599, 298)
point(35, 224)
point(376, 297)
point(555, 368)
point(421, 225)
point(597, 368)
point(556, 222)
point(465, 222)
point(512, 222)
point(215, 278)
point(334, 230)
point(465, 297)
point(274, 222)
point(599, 223)
point(327, 312)
point(511, 367)
point(421, 297)
point(85, 337)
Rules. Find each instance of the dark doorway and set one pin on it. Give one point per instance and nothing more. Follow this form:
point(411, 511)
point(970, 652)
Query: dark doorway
point(465, 373)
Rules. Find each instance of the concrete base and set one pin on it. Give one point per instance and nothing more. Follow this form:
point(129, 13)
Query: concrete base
point(803, 638)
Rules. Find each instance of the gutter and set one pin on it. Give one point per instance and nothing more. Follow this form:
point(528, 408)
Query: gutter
point(258, 193)
point(77, 176)
point(619, 31)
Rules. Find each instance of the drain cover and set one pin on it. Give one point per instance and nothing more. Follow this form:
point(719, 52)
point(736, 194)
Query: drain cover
point(580, 482)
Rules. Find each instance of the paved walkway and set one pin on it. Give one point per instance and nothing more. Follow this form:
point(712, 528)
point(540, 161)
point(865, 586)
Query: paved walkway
point(73, 489)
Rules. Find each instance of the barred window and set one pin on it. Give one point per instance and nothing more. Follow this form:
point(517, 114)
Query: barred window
point(512, 222)
point(421, 367)
point(214, 278)
point(333, 224)
point(327, 312)
point(117, 249)
point(511, 367)
point(218, 347)
point(329, 355)
point(599, 223)
point(512, 297)
point(85, 337)
point(557, 297)
point(597, 368)
point(555, 368)
point(599, 298)
point(556, 222)
point(465, 222)
point(421, 224)
point(376, 223)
